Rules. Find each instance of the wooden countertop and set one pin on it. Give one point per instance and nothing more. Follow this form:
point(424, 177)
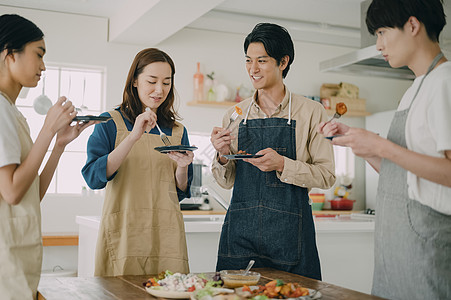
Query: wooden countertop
point(130, 287)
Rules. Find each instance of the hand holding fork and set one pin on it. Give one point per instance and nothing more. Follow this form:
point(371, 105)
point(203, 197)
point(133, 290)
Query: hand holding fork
point(163, 135)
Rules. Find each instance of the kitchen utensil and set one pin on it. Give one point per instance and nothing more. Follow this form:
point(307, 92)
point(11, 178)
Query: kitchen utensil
point(242, 156)
point(249, 266)
point(340, 110)
point(235, 278)
point(42, 103)
point(175, 148)
point(234, 116)
point(342, 204)
point(163, 135)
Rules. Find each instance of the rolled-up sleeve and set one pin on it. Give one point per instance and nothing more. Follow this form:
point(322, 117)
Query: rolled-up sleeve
point(225, 174)
point(315, 166)
point(100, 145)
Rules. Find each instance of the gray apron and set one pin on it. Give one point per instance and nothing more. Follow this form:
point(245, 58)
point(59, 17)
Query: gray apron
point(412, 241)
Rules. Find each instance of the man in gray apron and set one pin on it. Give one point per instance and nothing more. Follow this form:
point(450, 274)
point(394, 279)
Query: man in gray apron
point(270, 219)
point(413, 210)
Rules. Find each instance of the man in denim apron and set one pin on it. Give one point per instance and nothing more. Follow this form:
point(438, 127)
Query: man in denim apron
point(270, 219)
point(413, 209)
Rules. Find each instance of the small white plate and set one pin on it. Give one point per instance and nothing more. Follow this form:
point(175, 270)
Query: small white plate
point(160, 293)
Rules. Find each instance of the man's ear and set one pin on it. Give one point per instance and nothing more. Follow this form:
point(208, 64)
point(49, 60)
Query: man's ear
point(284, 62)
point(413, 25)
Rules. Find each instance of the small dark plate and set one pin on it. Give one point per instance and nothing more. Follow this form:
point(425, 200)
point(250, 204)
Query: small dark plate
point(334, 136)
point(242, 156)
point(176, 148)
point(91, 118)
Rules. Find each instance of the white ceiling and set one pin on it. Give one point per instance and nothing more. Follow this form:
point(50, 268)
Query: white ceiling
point(335, 22)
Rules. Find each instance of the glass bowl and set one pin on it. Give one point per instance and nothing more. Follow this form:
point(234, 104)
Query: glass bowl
point(236, 278)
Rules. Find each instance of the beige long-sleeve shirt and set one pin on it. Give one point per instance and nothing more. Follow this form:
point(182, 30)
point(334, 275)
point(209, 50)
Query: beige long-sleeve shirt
point(314, 166)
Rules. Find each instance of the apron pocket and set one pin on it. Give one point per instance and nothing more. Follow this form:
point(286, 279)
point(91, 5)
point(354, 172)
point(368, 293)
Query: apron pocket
point(429, 225)
point(147, 233)
point(281, 242)
point(271, 179)
point(21, 247)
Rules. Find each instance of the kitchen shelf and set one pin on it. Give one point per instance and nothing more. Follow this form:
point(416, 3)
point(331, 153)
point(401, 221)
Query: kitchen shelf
point(331, 112)
point(212, 103)
point(60, 240)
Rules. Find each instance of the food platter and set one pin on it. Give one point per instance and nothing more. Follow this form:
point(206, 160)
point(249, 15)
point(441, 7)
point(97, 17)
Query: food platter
point(92, 118)
point(161, 293)
point(175, 148)
point(242, 156)
point(313, 294)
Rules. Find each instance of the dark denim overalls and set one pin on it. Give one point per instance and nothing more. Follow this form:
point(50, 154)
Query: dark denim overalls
point(268, 221)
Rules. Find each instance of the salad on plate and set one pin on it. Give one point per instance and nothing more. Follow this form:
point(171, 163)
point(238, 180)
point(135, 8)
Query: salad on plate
point(178, 286)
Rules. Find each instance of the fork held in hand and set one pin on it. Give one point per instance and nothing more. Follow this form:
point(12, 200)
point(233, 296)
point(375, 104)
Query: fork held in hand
point(335, 116)
point(232, 119)
point(163, 136)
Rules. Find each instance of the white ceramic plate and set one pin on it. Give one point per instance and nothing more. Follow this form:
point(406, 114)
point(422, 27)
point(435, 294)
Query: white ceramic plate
point(215, 292)
point(159, 293)
point(313, 294)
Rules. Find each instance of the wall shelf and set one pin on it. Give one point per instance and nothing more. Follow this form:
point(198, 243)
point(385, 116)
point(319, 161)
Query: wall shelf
point(212, 103)
point(331, 112)
point(60, 240)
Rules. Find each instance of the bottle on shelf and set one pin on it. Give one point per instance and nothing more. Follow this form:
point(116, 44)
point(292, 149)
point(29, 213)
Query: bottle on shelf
point(198, 82)
point(211, 87)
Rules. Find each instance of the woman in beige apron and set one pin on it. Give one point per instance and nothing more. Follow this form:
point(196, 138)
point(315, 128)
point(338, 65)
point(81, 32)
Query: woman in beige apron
point(21, 189)
point(142, 229)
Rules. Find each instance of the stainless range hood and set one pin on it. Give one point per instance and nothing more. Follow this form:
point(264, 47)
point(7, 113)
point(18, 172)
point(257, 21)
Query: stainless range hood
point(366, 61)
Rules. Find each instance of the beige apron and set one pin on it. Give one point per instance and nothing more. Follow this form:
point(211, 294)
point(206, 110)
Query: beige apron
point(20, 235)
point(142, 230)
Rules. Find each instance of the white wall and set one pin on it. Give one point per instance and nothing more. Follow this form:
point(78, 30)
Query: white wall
point(82, 40)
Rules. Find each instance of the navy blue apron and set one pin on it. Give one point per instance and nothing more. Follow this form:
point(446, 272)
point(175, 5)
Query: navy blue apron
point(268, 221)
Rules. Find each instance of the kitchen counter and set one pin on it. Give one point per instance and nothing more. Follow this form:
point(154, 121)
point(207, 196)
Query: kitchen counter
point(209, 222)
point(130, 287)
point(345, 246)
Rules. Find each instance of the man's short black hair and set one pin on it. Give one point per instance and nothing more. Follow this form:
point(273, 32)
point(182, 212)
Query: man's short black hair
point(395, 14)
point(276, 40)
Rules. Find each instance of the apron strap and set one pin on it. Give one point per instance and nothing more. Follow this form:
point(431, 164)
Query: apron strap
point(117, 117)
point(289, 112)
point(431, 67)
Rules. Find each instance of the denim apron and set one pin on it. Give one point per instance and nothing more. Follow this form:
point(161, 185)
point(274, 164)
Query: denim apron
point(268, 221)
point(412, 241)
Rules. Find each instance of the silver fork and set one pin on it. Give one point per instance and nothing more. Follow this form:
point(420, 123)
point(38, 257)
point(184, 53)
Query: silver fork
point(232, 118)
point(163, 135)
point(335, 116)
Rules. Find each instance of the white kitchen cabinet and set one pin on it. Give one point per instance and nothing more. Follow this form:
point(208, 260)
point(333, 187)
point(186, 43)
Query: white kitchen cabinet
point(345, 247)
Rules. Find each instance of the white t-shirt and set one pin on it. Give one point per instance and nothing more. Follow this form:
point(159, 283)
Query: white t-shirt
point(10, 148)
point(428, 131)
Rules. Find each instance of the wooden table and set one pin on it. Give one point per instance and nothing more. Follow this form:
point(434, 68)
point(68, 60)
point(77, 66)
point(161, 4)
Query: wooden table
point(130, 287)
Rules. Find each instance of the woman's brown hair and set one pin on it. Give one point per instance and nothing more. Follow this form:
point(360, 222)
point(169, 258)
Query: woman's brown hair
point(131, 106)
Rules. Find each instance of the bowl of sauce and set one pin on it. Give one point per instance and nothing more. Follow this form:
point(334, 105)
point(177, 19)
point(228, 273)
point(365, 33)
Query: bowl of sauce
point(236, 278)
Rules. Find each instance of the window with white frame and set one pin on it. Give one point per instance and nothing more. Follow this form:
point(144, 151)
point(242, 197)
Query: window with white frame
point(84, 86)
